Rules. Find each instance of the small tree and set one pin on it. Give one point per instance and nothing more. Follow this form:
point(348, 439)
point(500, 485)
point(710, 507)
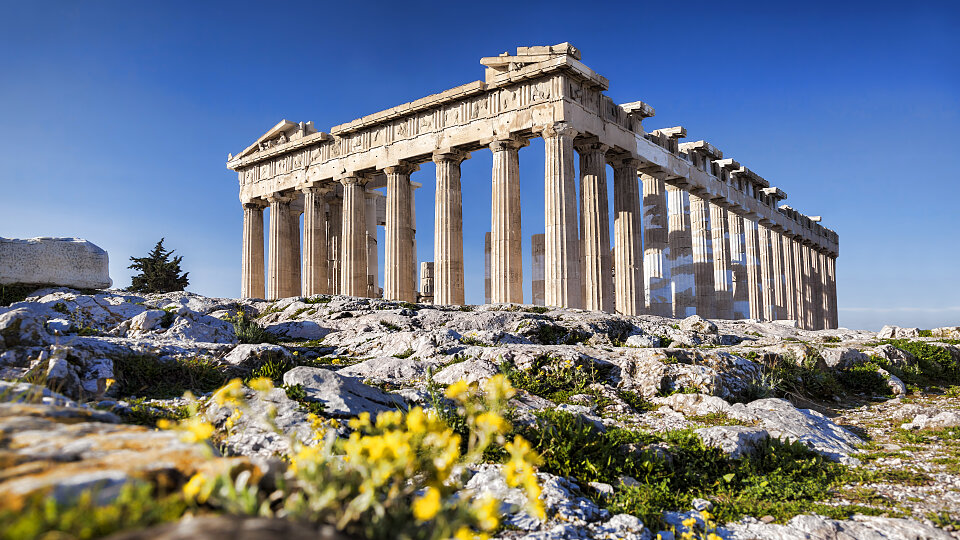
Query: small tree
point(158, 272)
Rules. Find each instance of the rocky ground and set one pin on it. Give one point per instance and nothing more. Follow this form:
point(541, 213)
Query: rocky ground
point(642, 422)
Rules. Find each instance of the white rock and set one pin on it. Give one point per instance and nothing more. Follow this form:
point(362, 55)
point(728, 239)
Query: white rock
point(253, 355)
point(781, 419)
point(735, 441)
point(942, 420)
point(68, 262)
point(894, 382)
point(813, 527)
point(471, 370)
point(642, 340)
point(695, 404)
point(342, 396)
point(843, 357)
point(389, 369)
point(24, 325)
point(698, 324)
point(147, 321)
point(297, 330)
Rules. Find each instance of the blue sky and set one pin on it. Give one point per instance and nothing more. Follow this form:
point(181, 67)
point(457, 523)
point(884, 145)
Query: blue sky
point(116, 117)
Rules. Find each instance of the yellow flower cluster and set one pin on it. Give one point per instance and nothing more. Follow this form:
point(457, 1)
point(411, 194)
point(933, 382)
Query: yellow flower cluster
point(395, 468)
point(693, 530)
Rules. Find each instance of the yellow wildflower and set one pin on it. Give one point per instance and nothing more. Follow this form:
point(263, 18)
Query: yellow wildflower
point(261, 384)
point(498, 388)
point(194, 487)
point(229, 393)
point(427, 506)
point(690, 522)
point(416, 420)
point(196, 430)
point(458, 390)
point(488, 514)
point(713, 536)
point(491, 422)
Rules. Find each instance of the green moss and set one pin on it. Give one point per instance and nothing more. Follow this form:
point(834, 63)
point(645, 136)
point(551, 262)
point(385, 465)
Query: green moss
point(405, 354)
point(297, 393)
point(389, 326)
point(864, 379)
point(536, 309)
point(637, 402)
point(316, 299)
point(147, 414)
point(18, 292)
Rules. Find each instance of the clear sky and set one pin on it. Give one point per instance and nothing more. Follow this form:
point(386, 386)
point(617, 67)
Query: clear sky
point(116, 117)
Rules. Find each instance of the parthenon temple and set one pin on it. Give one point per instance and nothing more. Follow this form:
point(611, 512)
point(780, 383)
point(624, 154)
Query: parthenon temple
point(693, 232)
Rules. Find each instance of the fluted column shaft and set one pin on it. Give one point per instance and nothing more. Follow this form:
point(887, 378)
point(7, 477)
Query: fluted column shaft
point(751, 235)
point(314, 242)
point(294, 265)
point(561, 238)
point(789, 278)
point(398, 280)
point(816, 273)
point(738, 264)
point(373, 259)
point(448, 230)
point(252, 278)
point(656, 269)
point(628, 248)
point(595, 228)
point(506, 257)
point(680, 253)
point(807, 288)
point(278, 248)
point(799, 306)
point(353, 255)
point(766, 272)
point(722, 273)
point(824, 291)
point(702, 257)
point(779, 278)
point(334, 241)
point(832, 288)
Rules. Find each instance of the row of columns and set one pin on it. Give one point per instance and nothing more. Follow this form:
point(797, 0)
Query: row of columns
point(675, 252)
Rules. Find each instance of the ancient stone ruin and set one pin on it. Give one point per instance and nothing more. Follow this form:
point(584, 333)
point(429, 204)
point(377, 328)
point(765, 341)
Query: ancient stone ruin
point(67, 262)
point(714, 240)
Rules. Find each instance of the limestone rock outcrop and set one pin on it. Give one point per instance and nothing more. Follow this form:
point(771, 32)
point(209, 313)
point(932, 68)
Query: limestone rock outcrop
point(67, 262)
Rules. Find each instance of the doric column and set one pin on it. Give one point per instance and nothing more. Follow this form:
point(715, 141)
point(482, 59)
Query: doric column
point(373, 262)
point(278, 273)
point(754, 275)
point(808, 300)
point(506, 258)
point(832, 288)
point(448, 230)
point(353, 255)
point(398, 279)
point(680, 253)
point(789, 277)
point(334, 241)
point(815, 272)
point(702, 257)
point(315, 277)
point(656, 269)
point(414, 265)
point(825, 290)
point(797, 250)
point(252, 279)
point(738, 264)
point(766, 271)
point(779, 277)
point(722, 272)
point(595, 228)
point(561, 238)
point(536, 261)
point(486, 268)
point(294, 266)
point(628, 246)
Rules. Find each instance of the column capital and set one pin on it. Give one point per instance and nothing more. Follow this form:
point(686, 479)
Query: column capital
point(402, 167)
point(556, 129)
point(508, 143)
point(255, 204)
point(351, 179)
point(315, 188)
point(590, 146)
point(625, 161)
point(279, 198)
point(450, 154)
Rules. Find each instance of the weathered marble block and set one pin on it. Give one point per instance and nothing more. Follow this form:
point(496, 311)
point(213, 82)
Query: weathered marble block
point(69, 262)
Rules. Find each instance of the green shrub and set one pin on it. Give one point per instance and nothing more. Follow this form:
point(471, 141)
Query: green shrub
point(935, 365)
point(554, 334)
point(552, 378)
point(148, 414)
point(389, 326)
point(405, 354)
point(136, 506)
point(637, 402)
point(141, 375)
point(249, 330)
point(864, 379)
point(298, 394)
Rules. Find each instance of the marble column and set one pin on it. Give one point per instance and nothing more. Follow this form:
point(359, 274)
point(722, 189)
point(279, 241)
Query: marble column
point(722, 271)
point(562, 279)
point(448, 230)
point(797, 251)
point(294, 265)
point(506, 258)
point(680, 253)
point(832, 288)
point(252, 277)
point(807, 288)
point(334, 240)
point(627, 240)
point(373, 269)
point(279, 247)
point(595, 228)
point(825, 289)
point(817, 279)
point(398, 277)
point(738, 265)
point(414, 265)
point(315, 279)
point(754, 275)
point(702, 257)
point(656, 270)
point(766, 271)
point(789, 277)
point(536, 260)
point(427, 290)
point(486, 268)
point(779, 277)
point(353, 254)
